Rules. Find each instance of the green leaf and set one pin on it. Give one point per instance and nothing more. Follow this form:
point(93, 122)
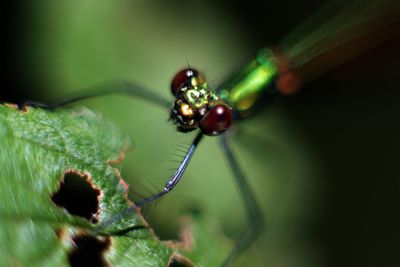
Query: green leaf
point(202, 241)
point(37, 149)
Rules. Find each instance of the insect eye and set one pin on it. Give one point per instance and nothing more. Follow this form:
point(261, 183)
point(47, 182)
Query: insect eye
point(216, 121)
point(183, 78)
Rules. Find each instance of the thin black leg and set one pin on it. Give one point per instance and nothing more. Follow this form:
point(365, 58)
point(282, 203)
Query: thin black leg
point(108, 88)
point(255, 219)
point(172, 182)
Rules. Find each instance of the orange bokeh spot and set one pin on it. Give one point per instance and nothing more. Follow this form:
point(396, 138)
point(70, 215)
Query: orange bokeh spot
point(288, 83)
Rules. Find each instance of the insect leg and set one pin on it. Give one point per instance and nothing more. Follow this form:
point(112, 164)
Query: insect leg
point(253, 210)
point(172, 182)
point(108, 88)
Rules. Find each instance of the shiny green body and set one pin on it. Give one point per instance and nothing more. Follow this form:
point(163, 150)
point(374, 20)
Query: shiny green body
point(243, 91)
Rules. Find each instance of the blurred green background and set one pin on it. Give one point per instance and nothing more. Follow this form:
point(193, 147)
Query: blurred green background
point(323, 163)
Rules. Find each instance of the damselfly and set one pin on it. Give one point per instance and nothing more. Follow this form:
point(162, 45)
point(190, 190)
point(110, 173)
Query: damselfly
point(314, 48)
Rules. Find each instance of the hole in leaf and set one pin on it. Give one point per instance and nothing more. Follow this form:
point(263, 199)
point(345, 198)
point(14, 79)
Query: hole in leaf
point(176, 263)
point(88, 251)
point(78, 195)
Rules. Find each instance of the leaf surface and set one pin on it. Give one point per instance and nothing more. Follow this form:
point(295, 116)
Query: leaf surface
point(38, 149)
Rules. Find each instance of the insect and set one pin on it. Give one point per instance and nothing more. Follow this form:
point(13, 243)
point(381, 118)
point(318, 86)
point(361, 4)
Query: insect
point(282, 70)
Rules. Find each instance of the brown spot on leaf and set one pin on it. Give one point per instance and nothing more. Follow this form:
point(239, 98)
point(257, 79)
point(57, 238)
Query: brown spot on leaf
point(78, 195)
point(124, 185)
point(61, 233)
point(21, 107)
point(121, 156)
point(89, 251)
point(177, 260)
point(9, 105)
point(186, 235)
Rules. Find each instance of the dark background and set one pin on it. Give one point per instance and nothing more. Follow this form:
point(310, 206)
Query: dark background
point(18, 20)
point(351, 114)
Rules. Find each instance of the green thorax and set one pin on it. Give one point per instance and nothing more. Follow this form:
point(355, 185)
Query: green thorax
point(199, 96)
point(242, 91)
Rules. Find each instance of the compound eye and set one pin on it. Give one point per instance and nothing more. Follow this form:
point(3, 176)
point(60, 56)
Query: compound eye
point(216, 121)
point(185, 77)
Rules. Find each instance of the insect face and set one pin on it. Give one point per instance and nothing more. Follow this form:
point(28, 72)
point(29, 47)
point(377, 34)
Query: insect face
point(197, 106)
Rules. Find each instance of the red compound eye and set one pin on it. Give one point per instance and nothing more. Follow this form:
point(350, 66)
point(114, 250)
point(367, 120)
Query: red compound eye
point(183, 78)
point(216, 121)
